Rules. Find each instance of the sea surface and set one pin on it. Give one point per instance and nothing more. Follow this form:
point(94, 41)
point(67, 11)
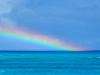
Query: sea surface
point(49, 63)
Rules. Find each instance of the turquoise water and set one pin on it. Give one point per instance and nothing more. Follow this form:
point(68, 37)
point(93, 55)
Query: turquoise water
point(49, 63)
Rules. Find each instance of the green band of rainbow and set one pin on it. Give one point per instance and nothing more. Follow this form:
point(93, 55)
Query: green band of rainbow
point(40, 39)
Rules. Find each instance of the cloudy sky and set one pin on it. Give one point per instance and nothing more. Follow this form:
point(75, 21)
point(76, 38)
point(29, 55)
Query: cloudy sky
point(74, 20)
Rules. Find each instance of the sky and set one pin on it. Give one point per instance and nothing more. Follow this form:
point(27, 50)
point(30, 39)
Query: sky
point(76, 21)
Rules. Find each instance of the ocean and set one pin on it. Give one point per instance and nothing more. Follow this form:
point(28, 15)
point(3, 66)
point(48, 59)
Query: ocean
point(49, 63)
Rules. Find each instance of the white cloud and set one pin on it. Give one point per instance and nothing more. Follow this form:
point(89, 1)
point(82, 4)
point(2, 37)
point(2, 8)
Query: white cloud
point(6, 8)
point(7, 24)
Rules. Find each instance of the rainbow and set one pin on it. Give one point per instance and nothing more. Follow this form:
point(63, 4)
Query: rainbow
point(36, 38)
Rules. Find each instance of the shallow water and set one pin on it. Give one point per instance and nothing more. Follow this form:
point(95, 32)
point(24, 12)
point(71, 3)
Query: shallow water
point(49, 63)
